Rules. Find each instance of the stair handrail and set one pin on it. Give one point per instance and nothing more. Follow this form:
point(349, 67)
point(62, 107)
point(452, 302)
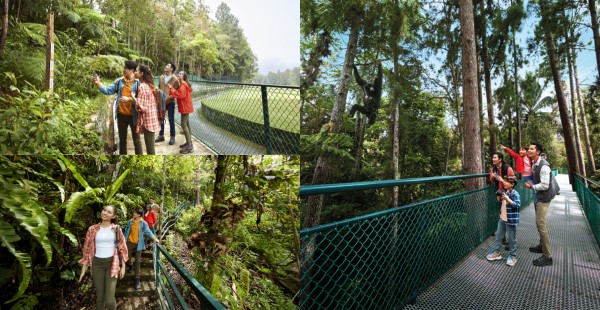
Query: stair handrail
point(207, 301)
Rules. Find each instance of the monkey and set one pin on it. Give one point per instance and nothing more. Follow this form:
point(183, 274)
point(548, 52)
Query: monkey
point(372, 98)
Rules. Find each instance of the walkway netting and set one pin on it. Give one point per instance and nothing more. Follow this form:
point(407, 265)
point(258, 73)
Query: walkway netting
point(233, 118)
point(385, 259)
point(587, 192)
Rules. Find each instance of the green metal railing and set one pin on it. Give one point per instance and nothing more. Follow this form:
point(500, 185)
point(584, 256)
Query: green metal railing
point(587, 192)
point(385, 259)
point(207, 301)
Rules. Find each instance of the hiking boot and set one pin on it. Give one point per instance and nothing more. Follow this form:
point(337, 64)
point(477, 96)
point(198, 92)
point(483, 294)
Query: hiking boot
point(543, 261)
point(493, 256)
point(159, 139)
point(186, 150)
point(511, 260)
point(172, 140)
point(536, 249)
point(183, 145)
point(137, 284)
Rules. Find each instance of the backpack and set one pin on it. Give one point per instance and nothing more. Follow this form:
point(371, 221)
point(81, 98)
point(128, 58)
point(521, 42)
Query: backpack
point(161, 108)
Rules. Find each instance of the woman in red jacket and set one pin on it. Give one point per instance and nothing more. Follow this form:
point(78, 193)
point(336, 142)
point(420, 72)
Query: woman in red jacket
point(150, 216)
point(185, 107)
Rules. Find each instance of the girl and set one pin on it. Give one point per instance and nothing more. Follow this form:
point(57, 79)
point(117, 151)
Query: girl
point(147, 121)
point(185, 107)
point(523, 162)
point(102, 253)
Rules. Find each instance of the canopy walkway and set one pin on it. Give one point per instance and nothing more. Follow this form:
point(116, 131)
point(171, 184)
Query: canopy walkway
point(431, 255)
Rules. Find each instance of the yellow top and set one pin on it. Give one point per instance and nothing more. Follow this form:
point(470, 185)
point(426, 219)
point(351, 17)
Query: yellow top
point(125, 107)
point(134, 234)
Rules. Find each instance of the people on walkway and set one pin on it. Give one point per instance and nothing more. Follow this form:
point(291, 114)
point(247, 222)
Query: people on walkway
point(507, 224)
point(499, 170)
point(545, 187)
point(126, 88)
point(147, 122)
point(163, 83)
point(134, 234)
point(522, 161)
point(185, 107)
point(103, 248)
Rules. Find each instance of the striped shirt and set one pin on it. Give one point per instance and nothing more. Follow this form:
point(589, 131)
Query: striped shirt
point(89, 249)
point(512, 211)
point(147, 108)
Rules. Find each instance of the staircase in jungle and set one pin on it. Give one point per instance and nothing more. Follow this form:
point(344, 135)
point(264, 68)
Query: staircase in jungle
point(128, 298)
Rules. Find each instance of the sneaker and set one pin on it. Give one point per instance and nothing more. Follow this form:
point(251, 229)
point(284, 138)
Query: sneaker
point(543, 261)
point(159, 139)
point(172, 140)
point(183, 145)
point(536, 249)
point(493, 256)
point(137, 284)
point(511, 260)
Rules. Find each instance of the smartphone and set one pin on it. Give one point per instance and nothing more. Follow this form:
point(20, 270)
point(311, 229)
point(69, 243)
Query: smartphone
point(95, 75)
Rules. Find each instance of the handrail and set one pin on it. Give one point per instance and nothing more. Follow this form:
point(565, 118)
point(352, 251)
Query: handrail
point(246, 84)
point(207, 301)
point(595, 183)
point(307, 190)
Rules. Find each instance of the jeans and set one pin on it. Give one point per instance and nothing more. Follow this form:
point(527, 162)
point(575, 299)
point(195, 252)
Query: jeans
point(187, 130)
point(124, 121)
point(171, 115)
point(541, 210)
point(132, 250)
point(104, 283)
point(149, 140)
point(511, 231)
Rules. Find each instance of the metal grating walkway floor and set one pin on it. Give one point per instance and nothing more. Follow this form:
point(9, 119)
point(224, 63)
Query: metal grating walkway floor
point(572, 282)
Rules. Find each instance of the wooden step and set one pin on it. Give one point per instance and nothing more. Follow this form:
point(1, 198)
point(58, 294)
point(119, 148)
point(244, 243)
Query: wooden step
point(134, 303)
point(126, 289)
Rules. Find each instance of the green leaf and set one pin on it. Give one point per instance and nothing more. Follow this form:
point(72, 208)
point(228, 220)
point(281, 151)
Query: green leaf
point(76, 174)
point(77, 200)
point(8, 236)
point(54, 224)
point(29, 214)
point(112, 189)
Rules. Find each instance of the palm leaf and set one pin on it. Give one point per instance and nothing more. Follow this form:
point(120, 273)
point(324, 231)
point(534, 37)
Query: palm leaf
point(75, 173)
point(112, 189)
point(7, 237)
point(78, 199)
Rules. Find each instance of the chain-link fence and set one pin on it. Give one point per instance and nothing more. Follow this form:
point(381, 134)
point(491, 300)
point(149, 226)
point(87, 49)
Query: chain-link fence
point(383, 260)
point(587, 192)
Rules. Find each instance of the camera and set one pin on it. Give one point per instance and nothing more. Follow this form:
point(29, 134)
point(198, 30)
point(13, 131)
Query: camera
point(500, 192)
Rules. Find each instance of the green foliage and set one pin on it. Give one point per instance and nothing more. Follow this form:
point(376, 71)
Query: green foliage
point(28, 302)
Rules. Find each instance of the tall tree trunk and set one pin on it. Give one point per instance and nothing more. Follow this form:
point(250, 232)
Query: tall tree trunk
point(216, 211)
point(595, 31)
point(488, 81)
point(471, 107)
point(395, 86)
point(586, 133)
point(560, 95)
point(516, 101)
point(4, 27)
point(359, 140)
point(580, 162)
point(324, 163)
point(480, 100)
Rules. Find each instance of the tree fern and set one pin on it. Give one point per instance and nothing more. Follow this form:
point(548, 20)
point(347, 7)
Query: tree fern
point(8, 236)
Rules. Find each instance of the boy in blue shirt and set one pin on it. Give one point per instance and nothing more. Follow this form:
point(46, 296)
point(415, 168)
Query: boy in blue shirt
point(509, 219)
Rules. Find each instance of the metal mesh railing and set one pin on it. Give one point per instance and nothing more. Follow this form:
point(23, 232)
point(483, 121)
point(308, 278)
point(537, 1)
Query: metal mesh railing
point(383, 260)
point(587, 192)
point(246, 118)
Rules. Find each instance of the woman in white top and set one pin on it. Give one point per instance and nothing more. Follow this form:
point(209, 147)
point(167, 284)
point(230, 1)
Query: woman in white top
point(105, 256)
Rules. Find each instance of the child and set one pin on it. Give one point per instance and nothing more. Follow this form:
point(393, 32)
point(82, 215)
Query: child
point(523, 162)
point(509, 219)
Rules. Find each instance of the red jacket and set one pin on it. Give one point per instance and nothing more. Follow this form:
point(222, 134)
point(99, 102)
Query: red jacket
point(184, 98)
point(518, 159)
point(150, 219)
